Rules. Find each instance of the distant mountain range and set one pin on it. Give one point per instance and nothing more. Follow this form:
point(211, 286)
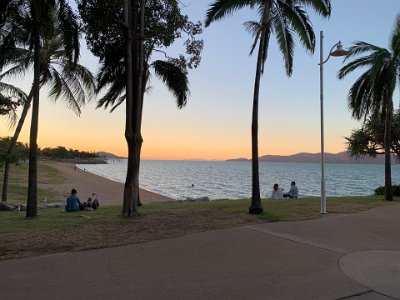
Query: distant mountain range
point(338, 158)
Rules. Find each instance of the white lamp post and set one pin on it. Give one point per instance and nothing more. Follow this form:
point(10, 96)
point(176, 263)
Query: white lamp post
point(338, 52)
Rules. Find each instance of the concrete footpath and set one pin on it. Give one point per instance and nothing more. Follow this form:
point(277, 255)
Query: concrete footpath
point(353, 256)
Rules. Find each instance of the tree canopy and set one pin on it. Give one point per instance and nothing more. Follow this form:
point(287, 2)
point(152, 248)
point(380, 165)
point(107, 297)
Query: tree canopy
point(21, 151)
point(369, 139)
point(60, 152)
point(165, 24)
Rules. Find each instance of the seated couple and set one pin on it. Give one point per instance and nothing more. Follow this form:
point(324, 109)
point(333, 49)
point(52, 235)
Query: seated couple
point(74, 204)
point(277, 192)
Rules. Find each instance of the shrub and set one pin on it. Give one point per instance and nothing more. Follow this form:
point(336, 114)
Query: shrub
point(381, 190)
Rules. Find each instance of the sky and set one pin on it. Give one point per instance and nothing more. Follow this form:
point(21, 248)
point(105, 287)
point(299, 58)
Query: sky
point(216, 122)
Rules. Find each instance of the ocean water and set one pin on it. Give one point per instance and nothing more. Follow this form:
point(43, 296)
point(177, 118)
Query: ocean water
point(232, 180)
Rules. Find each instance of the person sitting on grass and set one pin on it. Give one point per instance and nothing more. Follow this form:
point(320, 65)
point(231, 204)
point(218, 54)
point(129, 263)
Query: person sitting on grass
point(73, 202)
point(293, 192)
point(4, 206)
point(92, 202)
point(277, 192)
point(95, 201)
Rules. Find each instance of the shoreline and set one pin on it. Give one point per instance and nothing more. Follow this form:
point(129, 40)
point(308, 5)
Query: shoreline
point(110, 192)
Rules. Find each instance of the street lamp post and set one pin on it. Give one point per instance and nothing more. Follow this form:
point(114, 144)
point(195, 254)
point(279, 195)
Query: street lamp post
point(338, 52)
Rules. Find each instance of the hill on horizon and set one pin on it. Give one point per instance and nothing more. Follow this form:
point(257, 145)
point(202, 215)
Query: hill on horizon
point(335, 158)
point(104, 154)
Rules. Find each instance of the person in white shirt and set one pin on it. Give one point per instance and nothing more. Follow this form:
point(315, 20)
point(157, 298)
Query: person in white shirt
point(277, 192)
point(293, 192)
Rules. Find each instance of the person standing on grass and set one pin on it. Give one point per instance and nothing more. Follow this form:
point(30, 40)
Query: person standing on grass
point(73, 202)
point(293, 192)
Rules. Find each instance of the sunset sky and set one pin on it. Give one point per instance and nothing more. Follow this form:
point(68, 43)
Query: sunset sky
point(216, 122)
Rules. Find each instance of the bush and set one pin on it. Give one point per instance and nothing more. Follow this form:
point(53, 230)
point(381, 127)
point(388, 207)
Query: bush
point(381, 190)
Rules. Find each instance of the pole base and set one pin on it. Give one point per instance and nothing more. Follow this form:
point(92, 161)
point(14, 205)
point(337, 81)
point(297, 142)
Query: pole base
point(255, 210)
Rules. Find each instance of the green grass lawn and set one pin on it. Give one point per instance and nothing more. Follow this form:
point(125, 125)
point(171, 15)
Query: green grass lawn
point(56, 231)
point(217, 212)
point(17, 185)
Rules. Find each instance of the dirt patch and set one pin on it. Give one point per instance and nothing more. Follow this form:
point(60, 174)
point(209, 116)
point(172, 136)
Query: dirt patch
point(148, 227)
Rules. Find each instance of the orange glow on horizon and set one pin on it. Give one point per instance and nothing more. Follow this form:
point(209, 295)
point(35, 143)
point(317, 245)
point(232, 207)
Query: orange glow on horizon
point(194, 147)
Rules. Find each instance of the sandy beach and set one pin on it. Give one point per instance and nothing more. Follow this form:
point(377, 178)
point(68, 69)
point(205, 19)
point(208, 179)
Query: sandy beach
point(109, 192)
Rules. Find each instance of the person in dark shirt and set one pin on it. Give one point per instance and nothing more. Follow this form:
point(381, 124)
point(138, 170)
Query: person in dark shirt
point(293, 192)
point(73, 202)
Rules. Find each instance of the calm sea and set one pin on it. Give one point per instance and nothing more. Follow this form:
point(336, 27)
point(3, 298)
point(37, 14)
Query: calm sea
point(221, 179)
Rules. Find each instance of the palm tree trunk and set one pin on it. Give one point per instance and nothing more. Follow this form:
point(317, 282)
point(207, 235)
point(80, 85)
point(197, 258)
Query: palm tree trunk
point(256, 206)
point(31, 210)
point(387, 142)
point(13, 142)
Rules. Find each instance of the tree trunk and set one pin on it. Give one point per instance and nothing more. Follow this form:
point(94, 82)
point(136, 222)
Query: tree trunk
point(12, 145)
point(134, 16)
point(256, 206)
point(129, 208)
point(387, 142)
point(31, 210)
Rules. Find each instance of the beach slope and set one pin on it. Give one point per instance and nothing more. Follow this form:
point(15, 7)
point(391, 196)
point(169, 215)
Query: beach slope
point(109, 192)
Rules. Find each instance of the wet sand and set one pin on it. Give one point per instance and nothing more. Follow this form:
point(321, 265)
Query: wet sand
point(109, 192)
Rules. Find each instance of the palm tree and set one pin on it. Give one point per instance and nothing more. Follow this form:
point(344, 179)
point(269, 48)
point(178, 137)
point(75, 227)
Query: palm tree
point(284, 18)
point(71, 82)
point(50, 29)
point(372, 93)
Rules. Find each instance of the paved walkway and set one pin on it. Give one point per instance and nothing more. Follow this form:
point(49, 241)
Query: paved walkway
point(336, 257)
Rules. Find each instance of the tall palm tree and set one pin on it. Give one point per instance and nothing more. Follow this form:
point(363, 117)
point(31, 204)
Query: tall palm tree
point(284, 18)
point(67, 80)
point(372, 93)
point(37, 20)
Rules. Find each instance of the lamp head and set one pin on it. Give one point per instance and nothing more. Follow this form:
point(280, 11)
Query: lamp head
point(339, 50)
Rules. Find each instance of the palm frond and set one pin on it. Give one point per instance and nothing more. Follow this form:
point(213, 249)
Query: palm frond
point(365, 61)
point(222, 8)
point(175, 79)
point(254, 28)
point(321, 7)
point(360, 47)
point(284, 37)
point(59, 87)
point(8, 108)
point(300, 23)
point(110, 73)
point(395, 38)
point(360, 98)
point(14, 72)
point(114, 96)
point(267, 35)
point(13, 92)
point(69, 27)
